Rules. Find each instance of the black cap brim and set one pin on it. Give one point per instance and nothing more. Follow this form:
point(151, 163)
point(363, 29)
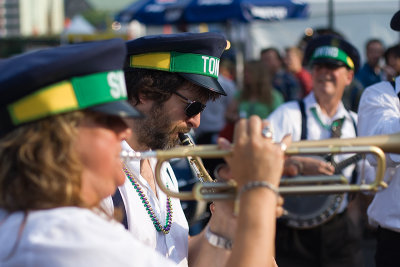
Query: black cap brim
point(204, 81)
point(118, 108)
point(395, 22)
point(329, 61)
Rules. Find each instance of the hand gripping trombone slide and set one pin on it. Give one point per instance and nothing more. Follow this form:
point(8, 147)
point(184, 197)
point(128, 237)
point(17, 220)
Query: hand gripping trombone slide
point(208, 191)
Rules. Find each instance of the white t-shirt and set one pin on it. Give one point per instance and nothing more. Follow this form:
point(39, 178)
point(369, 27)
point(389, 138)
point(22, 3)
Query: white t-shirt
point(70, 236)
point(173, 245)
point(379, 113)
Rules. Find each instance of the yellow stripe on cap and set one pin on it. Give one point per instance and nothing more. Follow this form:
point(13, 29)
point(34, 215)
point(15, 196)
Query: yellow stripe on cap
point(60, 97)
point(74, 94)
point(350, 63)
point(178, 62)
point(160, 61)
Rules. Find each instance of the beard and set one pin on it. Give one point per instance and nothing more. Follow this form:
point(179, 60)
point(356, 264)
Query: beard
point(156, 130)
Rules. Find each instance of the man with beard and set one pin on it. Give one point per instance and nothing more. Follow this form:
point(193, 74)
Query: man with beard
point(320, 115)
point(170, 78)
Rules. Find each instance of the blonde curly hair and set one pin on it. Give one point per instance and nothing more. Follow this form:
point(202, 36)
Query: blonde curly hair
point(40, 168)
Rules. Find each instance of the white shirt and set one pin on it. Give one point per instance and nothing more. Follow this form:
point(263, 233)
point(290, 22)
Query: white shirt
point(173, 245)
point(70, 236)
point(379, 113)
point(287, 119)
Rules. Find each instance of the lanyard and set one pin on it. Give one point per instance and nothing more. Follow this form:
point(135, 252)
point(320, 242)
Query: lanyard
point(334, 128)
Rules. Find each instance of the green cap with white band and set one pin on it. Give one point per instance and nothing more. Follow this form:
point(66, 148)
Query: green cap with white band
point(332, 49)
point(334, 53)
point(69, 95)
point(58, 80)
point(194, 56)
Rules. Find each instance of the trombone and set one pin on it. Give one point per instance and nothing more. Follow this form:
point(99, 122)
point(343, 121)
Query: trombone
point(208, 191)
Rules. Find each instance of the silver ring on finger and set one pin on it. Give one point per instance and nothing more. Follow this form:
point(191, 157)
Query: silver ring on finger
point(267, 132)
point(283, 146)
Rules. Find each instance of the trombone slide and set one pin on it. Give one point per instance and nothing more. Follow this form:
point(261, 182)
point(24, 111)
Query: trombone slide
point(212, 191)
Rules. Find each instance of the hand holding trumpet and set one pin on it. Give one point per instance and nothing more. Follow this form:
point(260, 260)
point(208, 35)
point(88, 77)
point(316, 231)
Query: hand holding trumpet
point(252, 149)
point(256, 164)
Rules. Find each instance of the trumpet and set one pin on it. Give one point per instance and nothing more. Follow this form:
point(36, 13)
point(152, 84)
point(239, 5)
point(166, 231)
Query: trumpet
point(207, 191)
point(195, 162)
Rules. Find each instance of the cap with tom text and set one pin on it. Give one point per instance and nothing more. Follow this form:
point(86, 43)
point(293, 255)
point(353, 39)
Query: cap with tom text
point(334, 50)
point(57, 80)
point(194, 56)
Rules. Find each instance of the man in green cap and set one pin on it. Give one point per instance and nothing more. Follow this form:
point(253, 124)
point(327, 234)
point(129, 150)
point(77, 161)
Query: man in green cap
point(317, 229)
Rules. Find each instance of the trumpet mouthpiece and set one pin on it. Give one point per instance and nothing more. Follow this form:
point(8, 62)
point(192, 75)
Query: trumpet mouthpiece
point(132, 155)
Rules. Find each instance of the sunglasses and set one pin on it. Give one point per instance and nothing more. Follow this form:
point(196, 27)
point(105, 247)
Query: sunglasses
point(193, 108)
point(330, 65)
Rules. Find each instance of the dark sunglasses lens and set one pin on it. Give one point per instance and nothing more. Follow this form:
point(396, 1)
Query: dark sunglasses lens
point(194, 108)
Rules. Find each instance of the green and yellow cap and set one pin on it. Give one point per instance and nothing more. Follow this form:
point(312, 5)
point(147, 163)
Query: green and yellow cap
point(194, 56)
point(333, 50)
point(333, 53)
point(63, 79)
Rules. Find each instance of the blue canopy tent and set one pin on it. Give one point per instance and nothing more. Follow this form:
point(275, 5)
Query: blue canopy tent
point(160, 12)
point(154, 12)
point(232, 13)
point(244, 10)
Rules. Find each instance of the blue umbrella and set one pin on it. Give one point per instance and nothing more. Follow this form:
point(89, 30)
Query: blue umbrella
point(159, 12)
point(244, 10)
point(154, 12)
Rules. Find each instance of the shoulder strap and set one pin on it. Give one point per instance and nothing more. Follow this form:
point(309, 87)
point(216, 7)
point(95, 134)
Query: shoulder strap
point(303, 119)
point(354, 123)
point(169, 175)
point(119, 204)
point(393, 83)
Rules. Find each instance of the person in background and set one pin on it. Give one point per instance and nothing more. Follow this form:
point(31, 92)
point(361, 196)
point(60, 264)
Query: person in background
point(379, 114)
point(282, 80)
point(321, 115)
point(227, 68)
point(293, 61)
point(392, 62)
point(353, 91)
point(372, 72)
point(258, 97)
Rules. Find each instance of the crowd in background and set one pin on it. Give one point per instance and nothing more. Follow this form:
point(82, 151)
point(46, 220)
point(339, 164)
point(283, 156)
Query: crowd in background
point(279, 75)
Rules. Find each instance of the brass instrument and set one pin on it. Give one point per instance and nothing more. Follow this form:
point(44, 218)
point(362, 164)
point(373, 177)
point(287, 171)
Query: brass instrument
point(301, 185)
point(195, 162)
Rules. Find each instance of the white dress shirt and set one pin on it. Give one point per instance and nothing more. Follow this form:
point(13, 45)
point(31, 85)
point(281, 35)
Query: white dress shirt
point(173, 245)
point(379, 113)
point(287, 119)
point(70, 236)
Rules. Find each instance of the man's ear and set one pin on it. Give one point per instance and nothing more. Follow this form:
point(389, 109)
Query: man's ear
point(142, 98)
point(144, 103)
point(350, 76)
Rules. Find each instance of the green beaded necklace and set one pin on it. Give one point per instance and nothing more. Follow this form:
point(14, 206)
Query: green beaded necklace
point(164, 229)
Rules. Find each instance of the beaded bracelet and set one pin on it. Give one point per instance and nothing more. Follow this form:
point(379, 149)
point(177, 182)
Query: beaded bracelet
point(255, 184)
point(217, 240)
